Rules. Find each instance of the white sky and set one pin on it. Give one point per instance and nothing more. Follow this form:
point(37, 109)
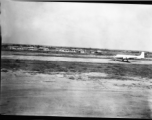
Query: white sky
point(95, 25)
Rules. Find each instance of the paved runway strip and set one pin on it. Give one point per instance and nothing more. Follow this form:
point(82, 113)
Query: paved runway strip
point(44, 58)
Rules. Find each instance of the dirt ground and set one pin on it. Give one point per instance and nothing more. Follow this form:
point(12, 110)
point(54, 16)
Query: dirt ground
point(84, 92)
point(62, 94)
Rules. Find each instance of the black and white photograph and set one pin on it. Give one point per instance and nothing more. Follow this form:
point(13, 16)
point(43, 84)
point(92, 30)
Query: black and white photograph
point(76, 59)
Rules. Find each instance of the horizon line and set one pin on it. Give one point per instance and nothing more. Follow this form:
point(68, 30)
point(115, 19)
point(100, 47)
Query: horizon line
point(76, 47)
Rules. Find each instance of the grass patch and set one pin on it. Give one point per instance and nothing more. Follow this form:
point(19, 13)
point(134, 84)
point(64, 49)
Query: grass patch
point(113, 70)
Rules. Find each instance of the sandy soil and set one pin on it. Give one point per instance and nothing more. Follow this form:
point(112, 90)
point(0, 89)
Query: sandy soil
point(74, 94)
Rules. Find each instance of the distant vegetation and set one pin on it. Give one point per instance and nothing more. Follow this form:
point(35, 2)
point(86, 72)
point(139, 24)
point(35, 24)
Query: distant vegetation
point(68, 50)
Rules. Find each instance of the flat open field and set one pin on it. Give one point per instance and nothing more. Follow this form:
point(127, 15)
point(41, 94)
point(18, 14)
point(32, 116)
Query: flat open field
point(31, 87)
point(71, 59)
point(49, 54)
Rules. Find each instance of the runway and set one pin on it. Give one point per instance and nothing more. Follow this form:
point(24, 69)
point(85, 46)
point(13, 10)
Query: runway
point(45, 58)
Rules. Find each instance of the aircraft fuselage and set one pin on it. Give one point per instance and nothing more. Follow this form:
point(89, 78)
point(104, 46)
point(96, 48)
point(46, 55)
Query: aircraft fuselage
point(128, 57)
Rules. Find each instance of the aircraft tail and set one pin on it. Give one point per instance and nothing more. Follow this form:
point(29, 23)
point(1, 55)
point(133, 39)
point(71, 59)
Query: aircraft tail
point(142, 55)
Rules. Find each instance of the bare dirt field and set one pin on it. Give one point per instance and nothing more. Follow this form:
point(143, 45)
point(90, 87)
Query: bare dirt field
point(77, 89)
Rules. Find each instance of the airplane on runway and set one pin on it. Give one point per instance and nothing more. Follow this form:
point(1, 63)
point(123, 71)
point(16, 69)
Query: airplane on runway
point(125, 58)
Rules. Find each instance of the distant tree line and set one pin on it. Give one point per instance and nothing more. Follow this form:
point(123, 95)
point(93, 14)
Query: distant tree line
point(66, 50)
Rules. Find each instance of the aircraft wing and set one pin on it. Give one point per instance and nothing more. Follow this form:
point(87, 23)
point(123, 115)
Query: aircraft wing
point(132, 58)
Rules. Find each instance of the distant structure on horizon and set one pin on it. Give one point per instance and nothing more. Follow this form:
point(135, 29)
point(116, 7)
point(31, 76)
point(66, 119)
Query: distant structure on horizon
point(70, 50)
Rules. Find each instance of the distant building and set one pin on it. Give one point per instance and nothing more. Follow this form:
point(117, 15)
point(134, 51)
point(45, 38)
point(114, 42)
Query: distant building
point(32, 48)
point(73, 50)
point(46, 49)
point(66, 50)
point(81, 51)
point(60, 50)
point(15, 48)
point(19, 48)
point(12, 48)
point(92, 52)
point(99, 51)
point(41, 48)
